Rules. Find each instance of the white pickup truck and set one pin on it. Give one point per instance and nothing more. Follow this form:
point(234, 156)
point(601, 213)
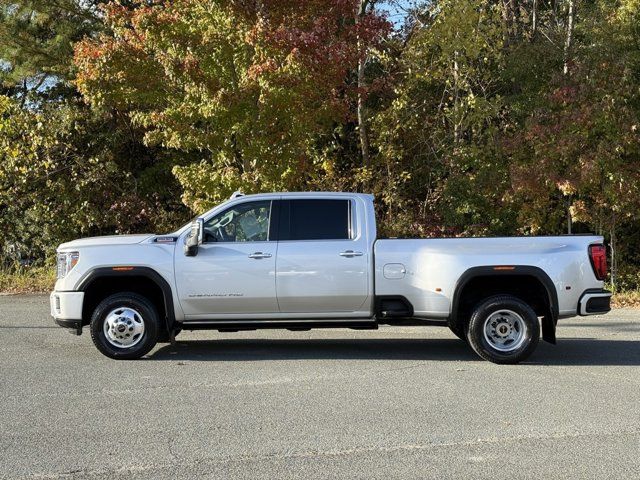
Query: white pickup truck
point(312, 260)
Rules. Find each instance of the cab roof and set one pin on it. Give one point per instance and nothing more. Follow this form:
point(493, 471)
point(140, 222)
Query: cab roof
point(367, 196)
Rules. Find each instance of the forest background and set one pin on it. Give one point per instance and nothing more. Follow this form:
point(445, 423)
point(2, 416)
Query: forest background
point(462, 117)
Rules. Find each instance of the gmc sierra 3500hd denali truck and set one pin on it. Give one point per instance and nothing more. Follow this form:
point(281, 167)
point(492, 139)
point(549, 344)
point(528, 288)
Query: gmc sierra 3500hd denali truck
point(312, 260)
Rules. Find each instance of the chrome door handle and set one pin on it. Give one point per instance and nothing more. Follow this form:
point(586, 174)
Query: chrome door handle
point(351, 253)
point(260, 255)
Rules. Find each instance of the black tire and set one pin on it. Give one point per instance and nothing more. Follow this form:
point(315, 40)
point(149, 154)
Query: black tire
point(149, 318)
point(521, 312)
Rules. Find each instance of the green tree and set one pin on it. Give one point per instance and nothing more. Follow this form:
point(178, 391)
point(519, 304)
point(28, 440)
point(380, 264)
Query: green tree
point(67, 171)
point(62, 175)
point(437, 138)
point(253, 90)
point(36, 43)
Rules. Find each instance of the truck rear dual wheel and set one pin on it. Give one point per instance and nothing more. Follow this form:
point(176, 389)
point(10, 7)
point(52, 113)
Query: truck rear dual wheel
point(503, 329)
point(125, 326)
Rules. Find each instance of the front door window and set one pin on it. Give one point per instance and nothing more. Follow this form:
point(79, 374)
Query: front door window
point(246, 222)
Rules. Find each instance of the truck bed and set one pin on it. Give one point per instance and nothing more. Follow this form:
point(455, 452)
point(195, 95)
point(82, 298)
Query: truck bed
point(426, 271)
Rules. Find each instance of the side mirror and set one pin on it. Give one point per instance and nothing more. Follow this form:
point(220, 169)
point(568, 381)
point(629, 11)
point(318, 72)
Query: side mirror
point(194, 239)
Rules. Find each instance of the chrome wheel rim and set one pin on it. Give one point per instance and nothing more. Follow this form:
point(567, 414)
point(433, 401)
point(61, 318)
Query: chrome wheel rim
point(505, 330)
point(123, 327)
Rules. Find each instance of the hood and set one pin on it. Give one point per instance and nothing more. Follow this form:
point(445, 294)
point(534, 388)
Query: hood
point(105, 241)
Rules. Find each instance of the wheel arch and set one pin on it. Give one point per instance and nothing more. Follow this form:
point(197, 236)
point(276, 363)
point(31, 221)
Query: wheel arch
point(526, 282)
point(104, 281)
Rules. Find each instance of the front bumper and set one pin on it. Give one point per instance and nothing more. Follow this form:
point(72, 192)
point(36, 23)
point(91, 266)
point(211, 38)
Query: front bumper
point(66, 309)
point(594, 302)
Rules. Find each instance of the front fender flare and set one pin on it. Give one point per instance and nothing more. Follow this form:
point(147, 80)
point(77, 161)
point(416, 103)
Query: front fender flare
point(134, 271)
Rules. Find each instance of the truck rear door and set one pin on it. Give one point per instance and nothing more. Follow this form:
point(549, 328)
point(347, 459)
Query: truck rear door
point(322, 263)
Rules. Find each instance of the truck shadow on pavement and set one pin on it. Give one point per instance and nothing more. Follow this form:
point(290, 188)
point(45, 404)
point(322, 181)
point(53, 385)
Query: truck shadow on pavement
point(574, 351)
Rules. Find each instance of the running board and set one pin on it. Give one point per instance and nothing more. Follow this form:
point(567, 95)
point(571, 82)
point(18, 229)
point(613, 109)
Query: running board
point(235, 325)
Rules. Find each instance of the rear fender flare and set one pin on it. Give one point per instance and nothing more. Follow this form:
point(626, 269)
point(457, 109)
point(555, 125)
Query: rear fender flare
point(549, 320)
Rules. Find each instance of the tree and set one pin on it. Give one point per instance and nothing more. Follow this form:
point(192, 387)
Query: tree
point(579, 150)
point(437, 137)
point(364, 11)
point(67, 171)
point(36, 42)
point(250, 87)
point(568, 42)
point(474, 117)
point(61, 177)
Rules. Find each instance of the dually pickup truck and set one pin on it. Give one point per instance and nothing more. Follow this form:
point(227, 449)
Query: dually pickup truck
point(313, 260)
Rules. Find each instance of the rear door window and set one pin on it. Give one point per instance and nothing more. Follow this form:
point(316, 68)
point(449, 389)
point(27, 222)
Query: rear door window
point(316, 219)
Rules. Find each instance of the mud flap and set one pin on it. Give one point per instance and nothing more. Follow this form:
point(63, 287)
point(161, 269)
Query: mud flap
point(548, 329)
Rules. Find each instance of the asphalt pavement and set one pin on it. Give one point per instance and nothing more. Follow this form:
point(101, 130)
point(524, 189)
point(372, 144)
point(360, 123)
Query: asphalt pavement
point(407, 403)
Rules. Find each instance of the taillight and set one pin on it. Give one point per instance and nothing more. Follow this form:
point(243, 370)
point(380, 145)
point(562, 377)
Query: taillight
point(598, 257)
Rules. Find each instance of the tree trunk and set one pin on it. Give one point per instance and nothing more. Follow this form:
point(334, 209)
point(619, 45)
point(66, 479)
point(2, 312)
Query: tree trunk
point(25, 90)
point(569, 39)
point(363, 126)
point(510, 19)
point(534, 20)
point(612, 246)
point(456, 126)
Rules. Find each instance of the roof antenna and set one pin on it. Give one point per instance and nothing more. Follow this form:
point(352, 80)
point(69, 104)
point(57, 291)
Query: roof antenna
point(236, 194)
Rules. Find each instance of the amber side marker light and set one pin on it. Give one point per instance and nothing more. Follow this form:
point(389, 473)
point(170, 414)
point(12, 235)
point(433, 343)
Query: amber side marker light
point(504, 267)
point(121, 269)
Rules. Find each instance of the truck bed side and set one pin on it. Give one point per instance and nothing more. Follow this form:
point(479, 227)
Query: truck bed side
point(426, 272)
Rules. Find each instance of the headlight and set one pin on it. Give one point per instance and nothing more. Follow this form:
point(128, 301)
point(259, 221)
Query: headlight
point(66, 261)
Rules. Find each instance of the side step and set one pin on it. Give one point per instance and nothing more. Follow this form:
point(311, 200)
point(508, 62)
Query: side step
point(294, 325)
point(393, 306)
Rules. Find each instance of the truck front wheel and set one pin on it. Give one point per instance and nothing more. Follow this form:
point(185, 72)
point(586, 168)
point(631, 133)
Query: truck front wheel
point(124, 326)
point(503, 329)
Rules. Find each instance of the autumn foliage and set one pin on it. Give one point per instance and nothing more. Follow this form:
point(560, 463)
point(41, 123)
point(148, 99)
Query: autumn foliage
point(250, 86)
point(463, 117)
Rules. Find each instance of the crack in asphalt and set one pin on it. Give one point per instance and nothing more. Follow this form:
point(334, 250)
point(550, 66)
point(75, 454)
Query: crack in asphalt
point(132, 469)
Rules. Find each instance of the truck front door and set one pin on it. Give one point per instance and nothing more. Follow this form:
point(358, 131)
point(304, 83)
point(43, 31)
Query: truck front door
point(234, 270)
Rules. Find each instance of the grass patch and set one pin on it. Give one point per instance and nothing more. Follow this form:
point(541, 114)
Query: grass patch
point(626, 299)
point(27, 280)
